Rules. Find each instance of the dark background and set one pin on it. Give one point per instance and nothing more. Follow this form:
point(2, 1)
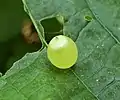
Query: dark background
point(12, 44)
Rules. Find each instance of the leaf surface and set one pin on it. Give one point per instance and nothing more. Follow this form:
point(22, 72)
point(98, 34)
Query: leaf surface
point(95, 76)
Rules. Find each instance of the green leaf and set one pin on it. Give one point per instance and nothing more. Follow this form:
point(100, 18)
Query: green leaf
point(107, 13)
point(95, 76)
point(72, 13)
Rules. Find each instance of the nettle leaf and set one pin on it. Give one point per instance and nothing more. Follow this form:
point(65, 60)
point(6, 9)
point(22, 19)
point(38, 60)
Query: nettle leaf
point(95, 76)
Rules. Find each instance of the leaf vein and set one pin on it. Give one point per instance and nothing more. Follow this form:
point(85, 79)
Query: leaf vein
point(100, 22)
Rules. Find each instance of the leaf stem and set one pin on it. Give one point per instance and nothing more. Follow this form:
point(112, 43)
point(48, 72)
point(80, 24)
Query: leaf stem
point(36, 26)
point(39, 33)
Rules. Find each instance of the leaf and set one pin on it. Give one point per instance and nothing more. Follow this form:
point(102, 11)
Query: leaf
point(108, 18)
point(71, 12)
point(95, 76)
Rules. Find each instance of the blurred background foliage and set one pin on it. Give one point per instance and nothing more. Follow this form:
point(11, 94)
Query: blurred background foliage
point(12, 44)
